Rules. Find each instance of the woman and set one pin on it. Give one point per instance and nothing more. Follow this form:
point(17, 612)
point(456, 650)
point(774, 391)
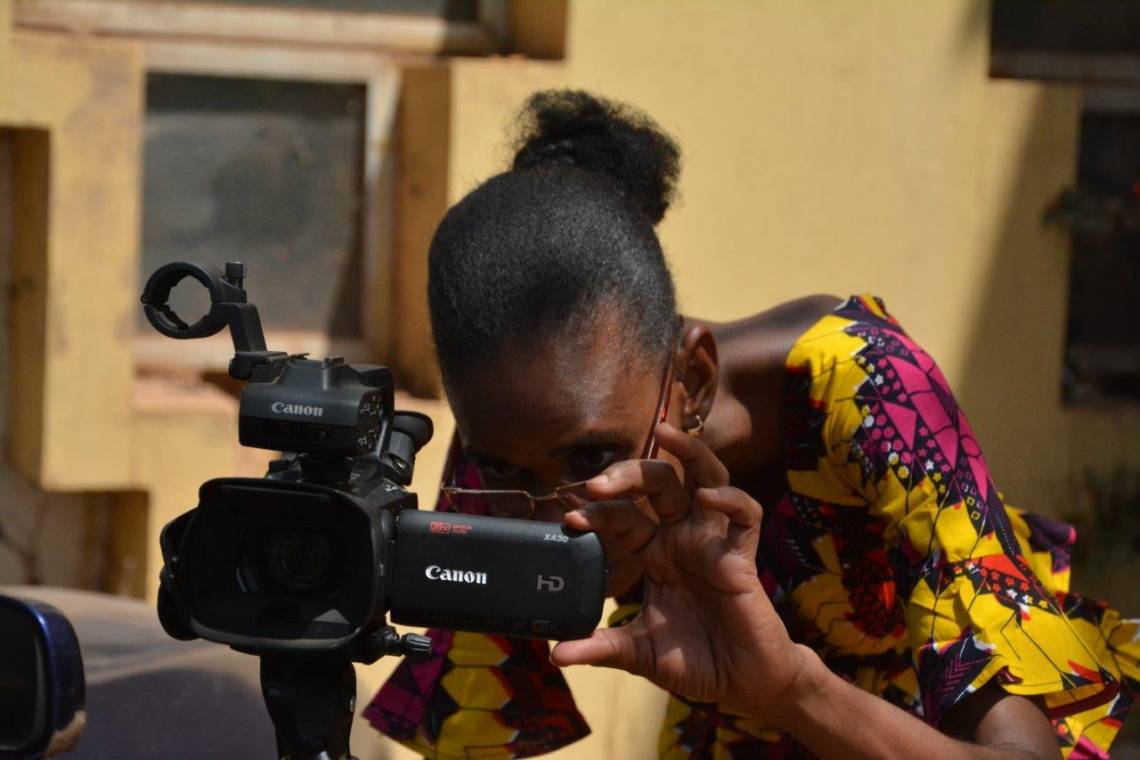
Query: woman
point(892, 604)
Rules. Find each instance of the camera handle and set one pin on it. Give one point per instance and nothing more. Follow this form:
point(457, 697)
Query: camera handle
point(311, 699)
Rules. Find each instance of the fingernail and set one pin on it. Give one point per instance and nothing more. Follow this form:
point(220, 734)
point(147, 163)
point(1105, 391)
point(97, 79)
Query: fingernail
point(600, 480)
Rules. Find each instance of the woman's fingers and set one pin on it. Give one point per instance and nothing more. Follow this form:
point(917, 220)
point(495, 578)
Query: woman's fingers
point(702, 467)
point(620, 521)
point(606, 647)
point(655, 479)
point(744, 514)
point(742, 510)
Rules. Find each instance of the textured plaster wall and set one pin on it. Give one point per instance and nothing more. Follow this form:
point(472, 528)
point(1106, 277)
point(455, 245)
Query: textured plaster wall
point(841, 149)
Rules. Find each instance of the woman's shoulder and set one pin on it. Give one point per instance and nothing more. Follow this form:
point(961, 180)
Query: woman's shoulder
point(804, 331)
point(766, 337)
point(797, 313)
point(844, 331)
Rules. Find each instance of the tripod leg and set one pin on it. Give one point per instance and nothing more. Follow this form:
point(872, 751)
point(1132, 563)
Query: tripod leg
point(310, 699)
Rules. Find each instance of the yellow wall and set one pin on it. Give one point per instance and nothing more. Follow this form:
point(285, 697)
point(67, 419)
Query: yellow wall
point(5, 25)
point(70, 114)
point(839, 148)
point(75, 276)
point(828, 146)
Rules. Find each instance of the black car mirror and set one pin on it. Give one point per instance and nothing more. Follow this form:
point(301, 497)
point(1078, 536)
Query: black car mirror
point(42, 689)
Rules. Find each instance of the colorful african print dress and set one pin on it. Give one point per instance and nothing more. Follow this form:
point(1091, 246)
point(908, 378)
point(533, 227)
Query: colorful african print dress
point(891, 553)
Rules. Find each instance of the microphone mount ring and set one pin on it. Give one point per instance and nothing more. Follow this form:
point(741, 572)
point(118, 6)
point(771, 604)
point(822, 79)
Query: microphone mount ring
point(228, 306)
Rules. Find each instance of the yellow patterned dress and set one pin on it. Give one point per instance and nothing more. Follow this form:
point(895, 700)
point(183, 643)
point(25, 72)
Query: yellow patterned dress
point(891, 553)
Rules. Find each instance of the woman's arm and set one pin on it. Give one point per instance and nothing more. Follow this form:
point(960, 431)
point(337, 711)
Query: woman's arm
point(707, 629)
point(834, 718)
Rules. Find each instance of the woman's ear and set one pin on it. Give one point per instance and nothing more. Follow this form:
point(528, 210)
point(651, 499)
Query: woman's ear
point(697, 359)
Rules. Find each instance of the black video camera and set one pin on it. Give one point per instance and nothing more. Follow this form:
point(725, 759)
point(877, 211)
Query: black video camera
point(302, 566)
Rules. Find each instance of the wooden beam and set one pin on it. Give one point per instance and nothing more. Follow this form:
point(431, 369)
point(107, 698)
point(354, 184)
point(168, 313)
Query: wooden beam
point(1097, 69)
point(377, 215)
point(423, 136)
point(241, 23)
point(264, 61)
point(537, 28)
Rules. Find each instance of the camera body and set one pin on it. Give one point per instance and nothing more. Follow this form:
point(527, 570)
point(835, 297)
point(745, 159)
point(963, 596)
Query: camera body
point(316, 555)
point(320, 408)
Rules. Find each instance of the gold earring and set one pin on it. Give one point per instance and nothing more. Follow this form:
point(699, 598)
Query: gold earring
point(697, 429)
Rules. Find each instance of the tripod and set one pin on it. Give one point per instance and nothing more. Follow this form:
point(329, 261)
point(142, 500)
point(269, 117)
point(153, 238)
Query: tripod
point(311, 697)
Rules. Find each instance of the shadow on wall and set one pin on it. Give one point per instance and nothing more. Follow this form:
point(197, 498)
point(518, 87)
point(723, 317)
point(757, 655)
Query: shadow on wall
point(1009, 380)
point(1014, 350)
point(1012, 365)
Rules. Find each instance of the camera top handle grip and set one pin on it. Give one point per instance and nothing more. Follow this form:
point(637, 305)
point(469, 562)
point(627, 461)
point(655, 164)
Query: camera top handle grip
point(228, 307)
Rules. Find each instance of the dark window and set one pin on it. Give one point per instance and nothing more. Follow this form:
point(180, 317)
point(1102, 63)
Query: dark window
point(1092, 41)
point(1103, 215)
point(1091, 26)
point(1095, 43)
point(268, 172)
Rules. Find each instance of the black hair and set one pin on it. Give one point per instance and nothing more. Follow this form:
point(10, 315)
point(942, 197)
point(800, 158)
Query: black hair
point(535, 252)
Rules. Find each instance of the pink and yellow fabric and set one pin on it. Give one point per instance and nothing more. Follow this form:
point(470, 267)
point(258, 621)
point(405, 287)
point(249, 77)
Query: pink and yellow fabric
point(891, 553)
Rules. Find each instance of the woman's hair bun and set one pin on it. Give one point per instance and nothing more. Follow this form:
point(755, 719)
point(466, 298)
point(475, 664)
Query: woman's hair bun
point(572, 127)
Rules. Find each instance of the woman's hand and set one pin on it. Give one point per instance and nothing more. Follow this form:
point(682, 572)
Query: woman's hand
point(706, 629)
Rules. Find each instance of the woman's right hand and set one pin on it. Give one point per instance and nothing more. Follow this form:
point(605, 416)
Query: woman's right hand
point(706, 629)
point(622, 571)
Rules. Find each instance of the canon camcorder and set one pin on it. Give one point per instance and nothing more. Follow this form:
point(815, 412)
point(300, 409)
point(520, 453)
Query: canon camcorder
point(303, 566)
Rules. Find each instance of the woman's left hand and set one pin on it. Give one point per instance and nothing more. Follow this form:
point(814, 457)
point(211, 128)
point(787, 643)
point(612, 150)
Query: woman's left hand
point(706, 629)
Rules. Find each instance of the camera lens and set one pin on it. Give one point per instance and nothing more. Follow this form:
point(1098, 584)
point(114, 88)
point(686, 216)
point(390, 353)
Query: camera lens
point(287, 559)
point(302, 558)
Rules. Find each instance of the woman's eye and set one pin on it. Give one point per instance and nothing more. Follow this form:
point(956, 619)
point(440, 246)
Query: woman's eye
point(589, 462)
point(499, 471)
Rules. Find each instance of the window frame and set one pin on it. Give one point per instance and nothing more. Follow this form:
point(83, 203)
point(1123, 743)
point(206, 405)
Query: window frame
point(380, 77)
point(293, 27)
point(341, 47)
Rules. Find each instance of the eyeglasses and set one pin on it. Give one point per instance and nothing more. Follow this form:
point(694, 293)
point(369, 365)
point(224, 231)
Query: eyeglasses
point(522, 504)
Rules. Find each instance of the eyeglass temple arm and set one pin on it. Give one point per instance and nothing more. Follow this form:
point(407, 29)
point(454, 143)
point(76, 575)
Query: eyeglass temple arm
point(651, 447)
